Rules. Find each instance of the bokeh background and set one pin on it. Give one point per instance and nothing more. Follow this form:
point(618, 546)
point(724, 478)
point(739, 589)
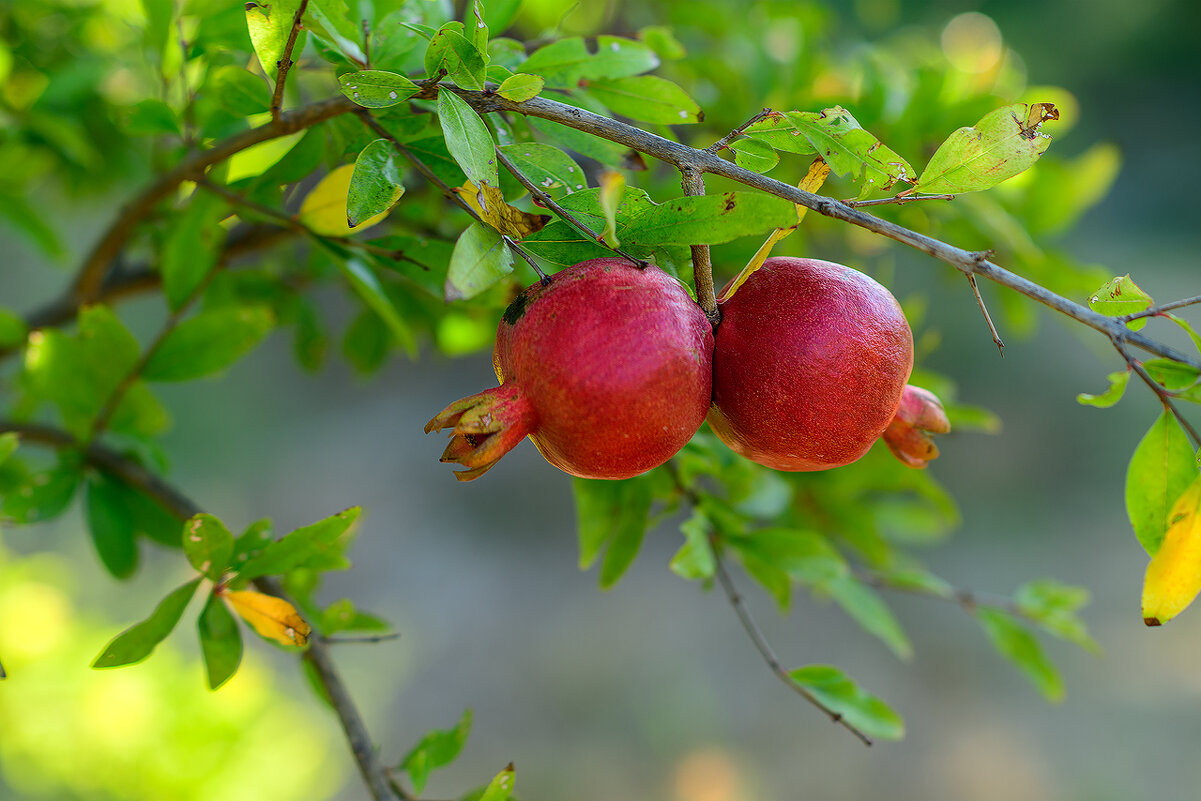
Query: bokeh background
point(651, 690)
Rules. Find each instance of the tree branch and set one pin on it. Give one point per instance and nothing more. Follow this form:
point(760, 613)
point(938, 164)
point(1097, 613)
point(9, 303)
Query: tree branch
point(702, 266)
point(90, 278)
point(680, 155)
point(317, 654)
point(285, 62)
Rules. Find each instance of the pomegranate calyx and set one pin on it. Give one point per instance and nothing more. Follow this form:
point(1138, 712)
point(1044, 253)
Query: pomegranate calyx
point(908, 435)
point(484, 427)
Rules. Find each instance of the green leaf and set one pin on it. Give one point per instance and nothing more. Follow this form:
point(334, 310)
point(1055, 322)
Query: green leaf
point(1162, 466)
point(375, 185)
point(367, 286)
point(613, 514)
point(1121, 296)
point(479, 31)
point(695, 559)
point(300, 547)
point(1182, 379)
point(110, 521)
point(13, 329)
point(138, 641)
point(208, 343)
point(710, 219)
point(1053, 606)
point(151, 117)
point(480, 259)
point(612, 192)
point(436, 749)
point(29, 222)
point(1020, 647)
point(208, 544)
point(552, 170)
point(1002, 144)
point(239, 92)
point(377, 88)
point(1117, 388)
point(839, 139)
point(754, 154)
point(78, 374)
point(366, 342)
point(501, 787)
point(450, 53)
point(194, 240)
point(467, 139)
point(45, 494)
point(505, 53)
point(1188, 329)
point(586, 144)
point(250, 543)
point(859, 708)
point(868, 609)
point(220, 642)
point(330, 20)
point(648, 98)
point(269, 25)
point(567, 61)
point(520, 87)
point(341, 615)
point(804, 556)
point(392, 42)
point(660, 39)
point(8, 445)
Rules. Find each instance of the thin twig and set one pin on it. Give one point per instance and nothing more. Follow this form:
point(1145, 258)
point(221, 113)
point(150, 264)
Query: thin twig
point(971, 279)
point(900, 200)
point(189, 95)
point(366, 25)
point(429, 175)
point(1165, 396)
point(693, 184)
point(1161, 308)
point(285, 62)
point(769, 656)
point(182, 507)
point(547, 201)
point(724, 142)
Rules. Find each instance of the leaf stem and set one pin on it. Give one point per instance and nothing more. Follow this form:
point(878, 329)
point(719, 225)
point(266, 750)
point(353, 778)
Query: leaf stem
point(899, 200)
point(1161, 308)
point(548, 202)
point(1165, 397)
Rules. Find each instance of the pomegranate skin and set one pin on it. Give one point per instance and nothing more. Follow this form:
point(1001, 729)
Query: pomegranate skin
point(809, 365)
point(607, 369)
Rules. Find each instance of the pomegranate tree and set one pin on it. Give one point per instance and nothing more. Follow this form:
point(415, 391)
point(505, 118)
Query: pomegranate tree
point(607, 368)
point(809, 366)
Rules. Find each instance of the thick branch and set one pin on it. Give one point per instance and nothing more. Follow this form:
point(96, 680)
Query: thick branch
point(181, 506)
point(90, 279)
point(681, 155)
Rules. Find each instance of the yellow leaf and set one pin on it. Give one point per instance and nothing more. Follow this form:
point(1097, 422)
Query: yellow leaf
point(813, 180)
point(272, 617)
point(324, 208)
point(488, 202)
point(1174, 574)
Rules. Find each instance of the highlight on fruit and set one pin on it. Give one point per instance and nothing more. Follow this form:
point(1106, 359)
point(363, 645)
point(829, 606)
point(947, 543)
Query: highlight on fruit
point(607, 369)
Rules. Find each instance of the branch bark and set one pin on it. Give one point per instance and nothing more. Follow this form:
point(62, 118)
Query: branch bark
point(183, 507)
point(89, 281)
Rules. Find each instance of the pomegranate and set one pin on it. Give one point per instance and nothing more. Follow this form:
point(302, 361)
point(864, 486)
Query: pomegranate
point(809, 366)
point(607, 368)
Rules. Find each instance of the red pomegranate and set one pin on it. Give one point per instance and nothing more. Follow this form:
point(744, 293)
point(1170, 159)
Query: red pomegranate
point(607, 368)
point(809, 365)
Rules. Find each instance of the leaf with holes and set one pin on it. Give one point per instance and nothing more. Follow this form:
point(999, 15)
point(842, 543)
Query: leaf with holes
point(377, 88)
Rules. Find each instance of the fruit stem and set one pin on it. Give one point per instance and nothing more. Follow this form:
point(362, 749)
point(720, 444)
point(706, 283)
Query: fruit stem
point(693, 183)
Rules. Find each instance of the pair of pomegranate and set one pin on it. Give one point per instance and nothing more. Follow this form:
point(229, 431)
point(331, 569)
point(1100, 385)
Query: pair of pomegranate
point(610, 370)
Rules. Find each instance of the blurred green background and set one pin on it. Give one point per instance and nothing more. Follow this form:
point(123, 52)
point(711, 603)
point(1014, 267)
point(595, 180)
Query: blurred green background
point(652, 690)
